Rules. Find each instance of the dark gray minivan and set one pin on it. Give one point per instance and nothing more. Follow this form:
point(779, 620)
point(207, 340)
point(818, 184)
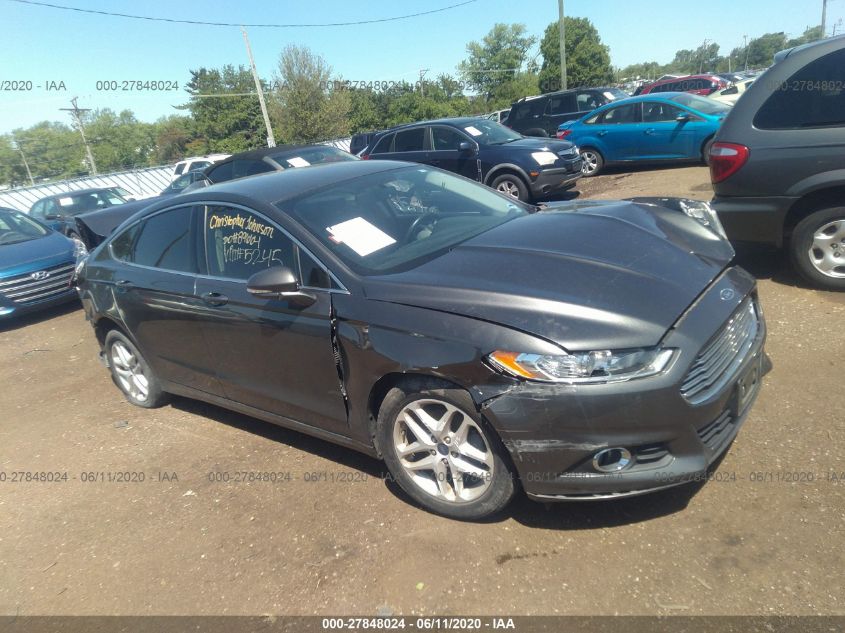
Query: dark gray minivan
point(778, 161)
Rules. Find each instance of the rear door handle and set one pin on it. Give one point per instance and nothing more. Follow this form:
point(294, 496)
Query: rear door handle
point(215, 299)
point(648, 130)
point(124, 284)
point(602, 133)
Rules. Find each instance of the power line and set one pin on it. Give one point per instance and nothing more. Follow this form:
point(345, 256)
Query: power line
point(271, 26)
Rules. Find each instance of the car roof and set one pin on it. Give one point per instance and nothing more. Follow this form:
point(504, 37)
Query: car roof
point(457, 121)
point(76, 192)
point(831, 42)
point(261, 152)
point(278, 186)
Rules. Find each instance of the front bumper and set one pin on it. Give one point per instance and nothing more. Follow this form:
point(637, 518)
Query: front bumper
point(553, 431)
point(9, 309)
point(748, 219)
point(550, 180)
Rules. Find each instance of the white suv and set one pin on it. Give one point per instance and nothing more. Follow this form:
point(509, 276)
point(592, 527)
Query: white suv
point(196, 163)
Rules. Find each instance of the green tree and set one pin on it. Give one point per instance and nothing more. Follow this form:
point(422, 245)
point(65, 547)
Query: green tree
point(761, 51)
point(119, 141)
point(497, 59)
point(810, 34)
point(53, 150)
point(225, 123)
point(307, 106)
point(587, 59)
point(172, 137)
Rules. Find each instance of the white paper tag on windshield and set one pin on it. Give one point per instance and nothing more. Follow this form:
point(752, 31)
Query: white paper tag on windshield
point(361, 236)
point(473, 130)
point(65, 201)
point(297, 161)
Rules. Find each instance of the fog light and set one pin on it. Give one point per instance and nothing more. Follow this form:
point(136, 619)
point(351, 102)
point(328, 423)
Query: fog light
point(612, 460)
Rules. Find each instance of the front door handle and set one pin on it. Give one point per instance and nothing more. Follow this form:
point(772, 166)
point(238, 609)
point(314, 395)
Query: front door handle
point(648, 131)
point(602, 133)
point(215, 299)
point(123, 285)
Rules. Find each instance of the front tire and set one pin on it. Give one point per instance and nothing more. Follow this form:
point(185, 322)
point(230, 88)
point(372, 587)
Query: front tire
point(592, 162)
point(131, 373)
point(513, 186)
point(817, 248)
point(443, 454)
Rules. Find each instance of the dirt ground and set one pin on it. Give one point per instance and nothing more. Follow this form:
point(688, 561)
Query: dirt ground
point(337, 538)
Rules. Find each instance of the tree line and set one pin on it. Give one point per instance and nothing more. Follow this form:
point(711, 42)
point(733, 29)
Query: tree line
point(308, 102)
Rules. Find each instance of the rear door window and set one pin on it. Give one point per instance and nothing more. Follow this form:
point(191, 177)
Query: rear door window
point(410, 140)
point(562, 104)
point(165, 240)
point(814, 97)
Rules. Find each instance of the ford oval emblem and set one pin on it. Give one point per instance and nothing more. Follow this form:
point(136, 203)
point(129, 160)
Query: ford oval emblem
point(727, 294)
point(40, 275)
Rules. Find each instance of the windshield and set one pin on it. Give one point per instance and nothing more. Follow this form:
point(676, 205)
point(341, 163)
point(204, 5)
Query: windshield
point(16, 227)
point(74, 204)
point(706, 106)
point(311, 156)
point(487, 132)
point(395, 220)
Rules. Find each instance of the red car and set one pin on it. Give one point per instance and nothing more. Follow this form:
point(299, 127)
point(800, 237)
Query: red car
point(697, 84)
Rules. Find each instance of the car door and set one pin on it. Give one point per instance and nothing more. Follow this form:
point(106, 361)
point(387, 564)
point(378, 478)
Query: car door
point(154, 291)
point(273, 354)
point(664, 135)
point(446, 152)
point(559, 109)
point(617, 131)
point(412, 145)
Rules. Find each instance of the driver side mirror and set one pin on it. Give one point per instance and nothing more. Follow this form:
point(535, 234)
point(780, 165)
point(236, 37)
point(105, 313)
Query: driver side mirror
point(466, 148)
point(278, 282)
point(52, 217)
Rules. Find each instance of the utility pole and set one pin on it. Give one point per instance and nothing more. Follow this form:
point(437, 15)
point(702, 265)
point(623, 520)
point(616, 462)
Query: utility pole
point(701, 59)
point(271, 140)
point(562, 28)
point(745, 38)
point(76, 112)
point(824, 18)
point(25, 164)
point(423, 71)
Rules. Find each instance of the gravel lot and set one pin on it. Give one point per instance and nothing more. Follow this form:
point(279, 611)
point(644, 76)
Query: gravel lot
point(764, 539)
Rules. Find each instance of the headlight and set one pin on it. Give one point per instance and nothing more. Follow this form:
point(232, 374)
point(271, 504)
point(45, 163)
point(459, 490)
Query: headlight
point(80, 251)
point(704, 214)
point(544, 158)
point(584, 367)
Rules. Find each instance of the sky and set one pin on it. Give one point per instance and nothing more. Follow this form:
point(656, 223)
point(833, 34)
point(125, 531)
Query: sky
point(50, 47)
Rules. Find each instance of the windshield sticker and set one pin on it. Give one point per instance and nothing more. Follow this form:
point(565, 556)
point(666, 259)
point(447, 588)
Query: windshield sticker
point(298, 161)
point(473, 130)
point(65, 201)
point(361, 236)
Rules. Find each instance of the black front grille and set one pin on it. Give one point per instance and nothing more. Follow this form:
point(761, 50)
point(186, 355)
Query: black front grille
point(718, 433)
point(27, 288)
point(716, 364)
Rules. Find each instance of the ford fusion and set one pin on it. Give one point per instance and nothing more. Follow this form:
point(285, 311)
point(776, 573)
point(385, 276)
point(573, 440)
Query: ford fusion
point(478, 345)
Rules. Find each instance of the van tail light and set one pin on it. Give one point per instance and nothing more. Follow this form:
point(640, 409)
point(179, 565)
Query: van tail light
point(726, 159)
point(563, 133)
point(365, 157)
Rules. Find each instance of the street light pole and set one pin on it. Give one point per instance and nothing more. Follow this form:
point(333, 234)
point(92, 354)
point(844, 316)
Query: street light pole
point(271, 140)
point(562, 29)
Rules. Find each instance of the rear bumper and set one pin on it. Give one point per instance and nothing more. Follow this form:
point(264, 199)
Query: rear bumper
point(749, 219)
point(551, 180)
point(553, 432)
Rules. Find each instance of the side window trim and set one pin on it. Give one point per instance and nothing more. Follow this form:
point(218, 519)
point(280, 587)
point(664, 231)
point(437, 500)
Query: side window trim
point(300, 247)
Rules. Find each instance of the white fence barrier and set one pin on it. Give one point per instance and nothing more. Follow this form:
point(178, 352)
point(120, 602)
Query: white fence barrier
point(141, 183)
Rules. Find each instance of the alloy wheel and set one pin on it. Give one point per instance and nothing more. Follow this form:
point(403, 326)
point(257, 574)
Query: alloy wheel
point(443, 450)
point(827, 252)
point(508, 187)
point(129, 372)
point(590, 162)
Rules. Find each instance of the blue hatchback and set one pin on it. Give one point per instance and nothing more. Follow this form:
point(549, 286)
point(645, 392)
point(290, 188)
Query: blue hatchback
point(671, 126)
point(36, 264)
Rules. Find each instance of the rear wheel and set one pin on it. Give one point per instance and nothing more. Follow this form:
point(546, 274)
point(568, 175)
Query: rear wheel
point(818, 248)
point(131, 373)
point(592, 161)
point(443, 454)
point(513, 186)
